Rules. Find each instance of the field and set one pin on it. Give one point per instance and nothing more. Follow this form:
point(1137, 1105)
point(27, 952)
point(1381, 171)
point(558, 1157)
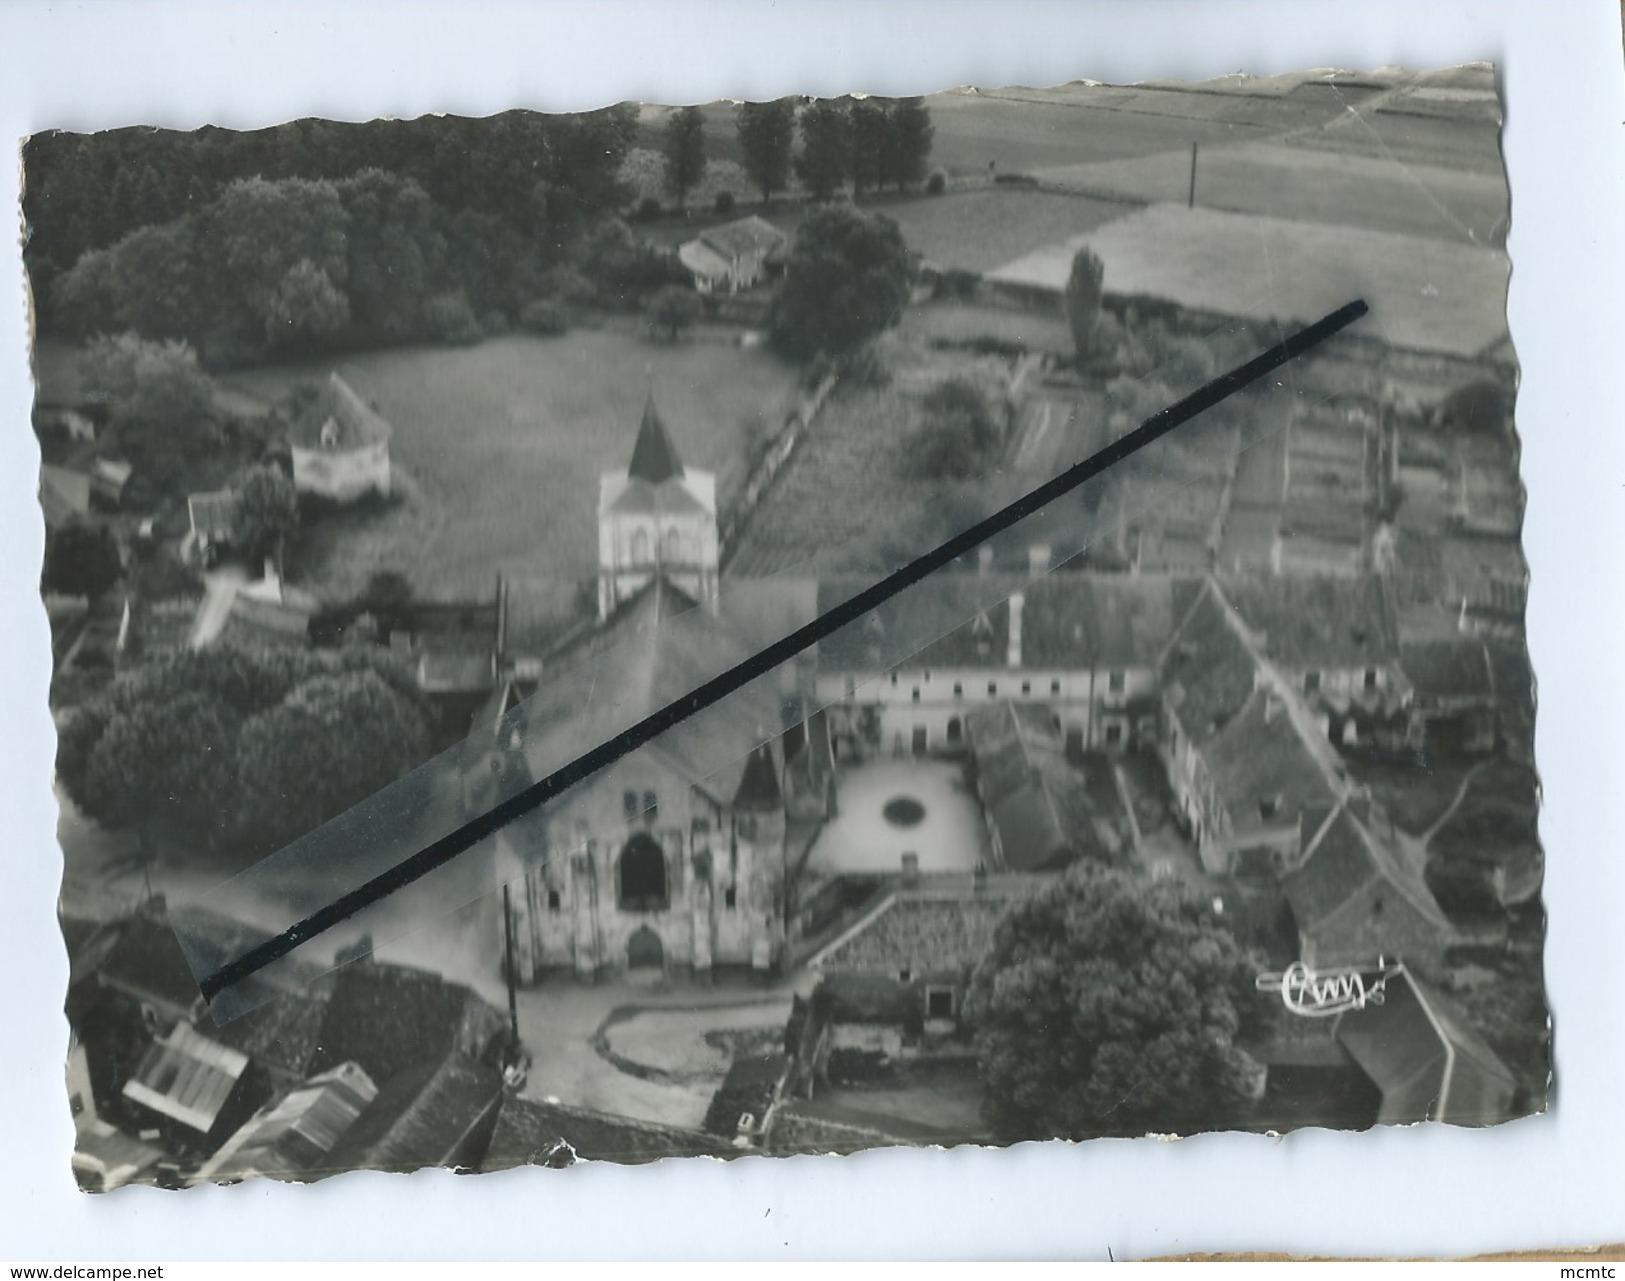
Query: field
point(501, 444)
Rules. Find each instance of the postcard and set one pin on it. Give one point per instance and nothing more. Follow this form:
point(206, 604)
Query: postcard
point(787, 627)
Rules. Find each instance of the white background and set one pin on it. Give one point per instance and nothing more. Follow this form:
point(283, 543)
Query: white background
point(1555, 1180)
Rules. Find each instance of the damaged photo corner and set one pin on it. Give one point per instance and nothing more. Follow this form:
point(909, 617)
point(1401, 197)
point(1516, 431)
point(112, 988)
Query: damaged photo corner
point(1201, 797)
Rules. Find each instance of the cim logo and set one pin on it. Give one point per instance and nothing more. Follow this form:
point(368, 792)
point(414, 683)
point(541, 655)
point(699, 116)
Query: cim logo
point(1318, 994)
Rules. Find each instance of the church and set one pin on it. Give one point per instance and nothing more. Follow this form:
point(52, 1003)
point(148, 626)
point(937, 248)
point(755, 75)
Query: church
point(663, 863)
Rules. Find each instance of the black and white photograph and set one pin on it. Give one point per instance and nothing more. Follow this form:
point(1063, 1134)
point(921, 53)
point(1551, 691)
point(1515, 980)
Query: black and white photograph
point(793, 626)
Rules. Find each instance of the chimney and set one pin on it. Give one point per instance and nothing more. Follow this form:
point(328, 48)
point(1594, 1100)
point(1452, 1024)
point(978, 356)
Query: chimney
point(1018, 602)
point(911, 868)
point(1038, 560)
point(273, 579)
point(984, 559)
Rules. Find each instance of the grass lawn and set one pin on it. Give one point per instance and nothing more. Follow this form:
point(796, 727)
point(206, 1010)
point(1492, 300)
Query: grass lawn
point(499, 445)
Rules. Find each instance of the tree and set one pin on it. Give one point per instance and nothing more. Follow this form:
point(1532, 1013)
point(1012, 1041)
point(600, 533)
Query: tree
point(684, 148)
point(908, 135)
point(868, 134)
point(1082, 300)
point(672, 309)
point(959, 433)
point(847, 277)
point(158, 395)
point(82, 560)
point(267, 509)
point(826, 151)
point(305, 307)
point(1113, 1005)
point(767, 133)
point(335, 740)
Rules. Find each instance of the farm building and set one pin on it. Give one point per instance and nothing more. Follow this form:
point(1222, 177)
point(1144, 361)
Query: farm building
point(734, 256)
point(340, 444)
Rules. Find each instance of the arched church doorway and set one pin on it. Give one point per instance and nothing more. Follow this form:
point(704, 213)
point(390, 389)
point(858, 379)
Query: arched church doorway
point(642, 880)
point(644, 950)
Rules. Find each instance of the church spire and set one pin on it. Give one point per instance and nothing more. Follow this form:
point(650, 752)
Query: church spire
point(654, 457)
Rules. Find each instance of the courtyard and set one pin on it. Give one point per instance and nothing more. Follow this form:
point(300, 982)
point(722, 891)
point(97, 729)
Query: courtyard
point(875, 824)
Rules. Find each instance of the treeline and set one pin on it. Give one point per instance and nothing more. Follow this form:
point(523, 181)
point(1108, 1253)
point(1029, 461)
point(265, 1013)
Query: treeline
point(868, 142)
point(288, 265)
point(542, 175)
point(322, 235)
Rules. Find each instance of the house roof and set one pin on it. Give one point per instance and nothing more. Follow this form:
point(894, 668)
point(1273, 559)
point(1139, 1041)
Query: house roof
point(749, 1090)
point(1342, 858)
point(759, 788)
point(1034, 797)
point(355, 424)
point(421, 1117)
point(926, 930)
point(283, 1033)
point(703, 260)
point(744, 237)
point(292, 1135)
point(654, 457)
point(143, 956)
point(64, 494)
point(111, 1155)
point(187, 1077)
point(1318, 620)
point(1448, 669)
point(1428, 1064)
point(532, 1132)
point(214, 514)
point(1068, 621)
point(387, 1018)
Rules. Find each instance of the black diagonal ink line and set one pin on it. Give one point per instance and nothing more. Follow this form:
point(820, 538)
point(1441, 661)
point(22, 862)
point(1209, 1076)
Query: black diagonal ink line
point(477, 829)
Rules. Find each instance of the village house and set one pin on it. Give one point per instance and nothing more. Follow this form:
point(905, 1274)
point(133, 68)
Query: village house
point(734, 256)
point(893, 984)
point(1038, 815)
point(1407, 1058)
point(1336, 640)
point(1454, 704)
point(1085, 646)
point(339, 444)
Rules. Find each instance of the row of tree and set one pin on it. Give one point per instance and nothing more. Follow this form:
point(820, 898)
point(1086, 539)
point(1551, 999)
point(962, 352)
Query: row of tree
point(869, 142)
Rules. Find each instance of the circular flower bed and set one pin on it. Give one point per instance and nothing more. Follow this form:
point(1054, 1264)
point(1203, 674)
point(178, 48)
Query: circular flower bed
point(903, 811)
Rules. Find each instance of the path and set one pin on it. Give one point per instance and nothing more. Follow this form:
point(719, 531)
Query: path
point(220, 593)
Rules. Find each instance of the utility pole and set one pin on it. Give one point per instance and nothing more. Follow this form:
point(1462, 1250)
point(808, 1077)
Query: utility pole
point(1191, 199)
point(508, 968)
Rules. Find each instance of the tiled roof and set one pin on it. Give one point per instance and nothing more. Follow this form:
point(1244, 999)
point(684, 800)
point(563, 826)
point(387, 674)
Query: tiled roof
point(530, 1132)
point(1036, 800)
point(744, 237)
point(283, 1033)
point(355, 423)
point(421, 1117)
point(925, 931)
point(1318, 620)
point(1449, 669)
point(1344, 859)
point(387, 1018)
point(1425, 1060)
point(1068, 621)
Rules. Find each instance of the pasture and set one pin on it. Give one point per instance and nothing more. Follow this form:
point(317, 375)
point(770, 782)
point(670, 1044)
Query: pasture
point(498, 447)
